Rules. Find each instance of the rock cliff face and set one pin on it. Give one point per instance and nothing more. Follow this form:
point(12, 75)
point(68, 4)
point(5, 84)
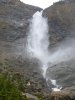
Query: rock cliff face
point(61, 16)
point(14, 21)
point(10, 1)
point(14, 16)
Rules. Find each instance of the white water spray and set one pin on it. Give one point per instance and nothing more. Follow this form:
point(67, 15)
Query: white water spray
point(38, 39)
point(38, 42)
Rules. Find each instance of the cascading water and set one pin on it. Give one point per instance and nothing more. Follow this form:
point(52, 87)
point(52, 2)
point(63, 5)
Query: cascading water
point(38, 43)
point(38, 39)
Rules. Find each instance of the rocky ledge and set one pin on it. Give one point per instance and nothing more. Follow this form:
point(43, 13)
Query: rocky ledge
point(65, 94)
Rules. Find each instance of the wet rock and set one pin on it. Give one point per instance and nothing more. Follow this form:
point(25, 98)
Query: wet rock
point(64, 73)
point(65, 94)
point(31, 97)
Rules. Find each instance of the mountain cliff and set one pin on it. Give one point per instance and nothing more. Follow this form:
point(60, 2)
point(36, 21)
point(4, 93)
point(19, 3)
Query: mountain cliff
point(14, 21)
point(14, 16)
point(61, 20)
point(61, 16)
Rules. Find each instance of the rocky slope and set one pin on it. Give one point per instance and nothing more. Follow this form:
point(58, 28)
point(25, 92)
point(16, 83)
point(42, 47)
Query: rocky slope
point(14, 16)
point(14, 21)
point(61, 18)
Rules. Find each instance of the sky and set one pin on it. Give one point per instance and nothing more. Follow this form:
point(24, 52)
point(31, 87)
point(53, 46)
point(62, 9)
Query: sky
point(40, 3)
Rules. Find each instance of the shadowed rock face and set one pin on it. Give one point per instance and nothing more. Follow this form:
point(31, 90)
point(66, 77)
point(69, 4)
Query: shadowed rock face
point(66, 94)
point(61, 17)
point(10, 1)
point(63, 73)
point(14, 21)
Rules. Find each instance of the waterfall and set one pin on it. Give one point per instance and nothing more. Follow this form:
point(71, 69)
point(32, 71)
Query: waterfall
point(38, 42)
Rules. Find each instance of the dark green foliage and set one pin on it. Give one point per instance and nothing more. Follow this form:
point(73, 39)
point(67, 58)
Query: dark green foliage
point(40, 96)
point(8, 90)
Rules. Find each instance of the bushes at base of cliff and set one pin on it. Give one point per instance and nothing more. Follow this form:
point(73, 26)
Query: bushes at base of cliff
point(8, 90)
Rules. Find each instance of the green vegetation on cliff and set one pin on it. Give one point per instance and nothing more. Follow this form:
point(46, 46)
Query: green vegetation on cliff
point(8, 90)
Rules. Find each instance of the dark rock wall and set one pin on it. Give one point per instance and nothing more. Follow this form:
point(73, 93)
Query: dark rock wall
point(61, 18)
point(14, 19)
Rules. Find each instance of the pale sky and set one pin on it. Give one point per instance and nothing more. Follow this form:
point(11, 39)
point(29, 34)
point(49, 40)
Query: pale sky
point(40, 3)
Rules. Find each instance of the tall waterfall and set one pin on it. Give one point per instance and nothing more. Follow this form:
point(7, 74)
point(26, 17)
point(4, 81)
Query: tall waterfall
point(38, 42)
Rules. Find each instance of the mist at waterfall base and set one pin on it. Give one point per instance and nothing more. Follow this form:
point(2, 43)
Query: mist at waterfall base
point(38, 43)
